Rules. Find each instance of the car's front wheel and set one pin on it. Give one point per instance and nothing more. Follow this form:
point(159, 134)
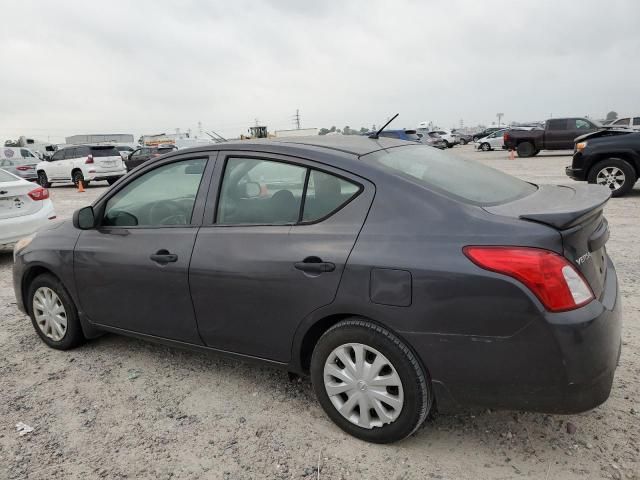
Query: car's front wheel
point(369, 382)
point(485, 147)
point(53, 313)
point(614, 173)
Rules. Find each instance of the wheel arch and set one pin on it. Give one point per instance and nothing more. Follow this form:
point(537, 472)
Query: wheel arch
point(630, 157)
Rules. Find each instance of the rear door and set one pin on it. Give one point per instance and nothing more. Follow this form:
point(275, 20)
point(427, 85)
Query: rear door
point(274, 250)
point(132, 270)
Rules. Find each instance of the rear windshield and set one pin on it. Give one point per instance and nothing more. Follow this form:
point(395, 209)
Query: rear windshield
point(465, 180)
point(6, 177)
point(104, 152)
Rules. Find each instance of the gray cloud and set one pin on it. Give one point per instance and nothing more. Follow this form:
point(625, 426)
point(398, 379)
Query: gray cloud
point(149, 66)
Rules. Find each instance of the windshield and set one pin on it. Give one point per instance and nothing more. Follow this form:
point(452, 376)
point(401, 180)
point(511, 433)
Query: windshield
point(465, 180)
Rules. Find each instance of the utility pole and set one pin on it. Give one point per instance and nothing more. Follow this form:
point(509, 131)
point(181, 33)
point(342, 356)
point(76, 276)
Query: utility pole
point(499, 115)
point(296, 119)
point(199, 129)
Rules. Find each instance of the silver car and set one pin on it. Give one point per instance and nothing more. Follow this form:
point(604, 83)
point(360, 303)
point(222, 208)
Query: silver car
point(19, 161)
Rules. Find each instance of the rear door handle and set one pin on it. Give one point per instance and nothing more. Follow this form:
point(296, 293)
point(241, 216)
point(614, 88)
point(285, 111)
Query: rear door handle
point(311, 266)
point(163, 257)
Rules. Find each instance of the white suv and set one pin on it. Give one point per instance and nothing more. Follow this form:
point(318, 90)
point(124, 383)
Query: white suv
point(84, 163)
point(449, 137)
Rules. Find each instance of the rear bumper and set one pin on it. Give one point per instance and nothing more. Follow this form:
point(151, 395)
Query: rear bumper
point(560, 363)
point(105, 175)
point(13, 229)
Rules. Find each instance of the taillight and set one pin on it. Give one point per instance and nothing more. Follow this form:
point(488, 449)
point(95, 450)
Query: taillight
point(39, 194)
point(24, 168)
point(556, 283)
point(505, 137)
point(89, 159)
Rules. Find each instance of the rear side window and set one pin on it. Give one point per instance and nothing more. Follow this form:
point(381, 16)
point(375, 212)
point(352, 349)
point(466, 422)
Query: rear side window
point(104, 152)
point(557, 124)
point(325, 194)
point(464, 180)
point(636, 121)
point(26, 153)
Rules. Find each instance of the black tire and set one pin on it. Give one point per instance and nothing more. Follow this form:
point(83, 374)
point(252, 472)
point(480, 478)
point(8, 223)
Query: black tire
point(447, 144)
point(43, 181)
point(525, 149)
point(630, 176)
point(418, 397)
point(463, 141)
point(77, 177)
point(536, 153)
point(485, 147)
point(450, 145)
point(111, 181)
point(73, 335)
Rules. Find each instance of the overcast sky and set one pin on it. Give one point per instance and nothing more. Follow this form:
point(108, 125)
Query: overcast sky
point(152, 66)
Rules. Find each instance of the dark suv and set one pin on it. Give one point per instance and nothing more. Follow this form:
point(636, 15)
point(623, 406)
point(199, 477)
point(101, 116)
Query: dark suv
point(144, 154)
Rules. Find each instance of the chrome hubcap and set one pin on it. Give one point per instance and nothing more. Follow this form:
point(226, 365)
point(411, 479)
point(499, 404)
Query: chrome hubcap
point(611, 177)
point(49, 313)
point(363, 385)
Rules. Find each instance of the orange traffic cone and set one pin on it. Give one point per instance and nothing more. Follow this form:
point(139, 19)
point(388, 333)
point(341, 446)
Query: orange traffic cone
point(512, 154)
point(80, 186)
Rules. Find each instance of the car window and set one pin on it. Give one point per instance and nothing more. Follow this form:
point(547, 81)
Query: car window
point(26, 153)
point(137, 153)
point(636, 121)
point(260, 192)
point(472, 183)
point(560, 124)
point(622, 121)
point(104, 152)
point(162, 196)
point(70, 153)
point(59, 155)
point(581, 124)
point(390, 134)
point(325, 194)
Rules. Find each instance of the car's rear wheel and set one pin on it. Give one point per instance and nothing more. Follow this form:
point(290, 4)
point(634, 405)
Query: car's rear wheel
point(463, 141)
point(111, 181)
point(447, 144)
point(525, 149)
point(614, 173)
point(485, 147)
point(53, 313)
point(43, 181)
point(369, 382)
point(78, 177)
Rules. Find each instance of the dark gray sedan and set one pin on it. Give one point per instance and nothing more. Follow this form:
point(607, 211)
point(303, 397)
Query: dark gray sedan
point(362, 262)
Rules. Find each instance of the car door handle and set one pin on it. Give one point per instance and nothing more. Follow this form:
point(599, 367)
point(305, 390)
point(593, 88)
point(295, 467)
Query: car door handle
point(163, 257)
point(312, 265)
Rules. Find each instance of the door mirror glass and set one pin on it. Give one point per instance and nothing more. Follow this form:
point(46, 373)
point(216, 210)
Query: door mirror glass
point(251, 189)
point(84, 219)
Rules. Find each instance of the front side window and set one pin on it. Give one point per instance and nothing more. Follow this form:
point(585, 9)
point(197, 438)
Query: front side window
point(636, 121)
point(556, 124)
point(164, 196)
point(26, 153)
point(582, 124)
point(622, 121)
point(472, 183)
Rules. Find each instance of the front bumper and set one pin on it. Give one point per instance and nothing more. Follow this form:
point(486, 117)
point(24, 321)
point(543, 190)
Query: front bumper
point(575, 173)
point(559, 363)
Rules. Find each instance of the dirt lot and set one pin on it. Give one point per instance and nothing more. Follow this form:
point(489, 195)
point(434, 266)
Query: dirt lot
point(122, 408)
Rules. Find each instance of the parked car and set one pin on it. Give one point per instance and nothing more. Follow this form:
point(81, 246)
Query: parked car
point(432, 139)
point(125, 150)
point(82, 163)
point(492, 141)
point(463, 138)
point(558, 134)
point(449, 137)
point(607, 157)
point(363, 262)
point(402, 134)
point(486, 132)
point(24, 208)
point(632, 123)
point(19, 161)
point(144, 154)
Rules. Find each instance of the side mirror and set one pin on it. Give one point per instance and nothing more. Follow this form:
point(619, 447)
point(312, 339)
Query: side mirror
point(84, 219)
point(252, 189)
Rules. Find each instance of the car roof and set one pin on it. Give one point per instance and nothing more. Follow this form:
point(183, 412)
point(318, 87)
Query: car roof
point(357, 145)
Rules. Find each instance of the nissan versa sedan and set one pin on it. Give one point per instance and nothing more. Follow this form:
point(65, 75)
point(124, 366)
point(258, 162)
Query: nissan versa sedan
point(362, 262)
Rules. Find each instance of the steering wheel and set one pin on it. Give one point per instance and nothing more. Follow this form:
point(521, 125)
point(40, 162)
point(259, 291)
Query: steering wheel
point(168, 212)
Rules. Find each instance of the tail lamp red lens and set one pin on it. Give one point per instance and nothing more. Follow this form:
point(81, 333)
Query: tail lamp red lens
point(24, 168)
point(39, 194)
point(556, 283)
point(89, 159)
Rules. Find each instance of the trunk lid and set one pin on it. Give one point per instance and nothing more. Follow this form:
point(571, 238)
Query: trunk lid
point(106, 158)
point(15, 200)
point(576, 213)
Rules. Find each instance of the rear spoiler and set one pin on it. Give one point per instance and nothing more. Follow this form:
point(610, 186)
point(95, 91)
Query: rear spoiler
point(560, 206)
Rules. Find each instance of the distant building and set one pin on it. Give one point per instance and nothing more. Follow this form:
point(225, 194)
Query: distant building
point(100, 138)
point(300, 132)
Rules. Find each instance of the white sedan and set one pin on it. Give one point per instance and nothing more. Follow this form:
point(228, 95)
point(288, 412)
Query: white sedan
point(494, 141)
point(24, 208)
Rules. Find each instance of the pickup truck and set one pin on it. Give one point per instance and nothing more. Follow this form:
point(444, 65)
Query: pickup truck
point(558, 134)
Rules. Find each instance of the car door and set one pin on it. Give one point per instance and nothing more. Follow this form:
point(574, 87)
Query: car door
point(53, 166)
point(131, 271)
point(269, 259)
point(556, 134)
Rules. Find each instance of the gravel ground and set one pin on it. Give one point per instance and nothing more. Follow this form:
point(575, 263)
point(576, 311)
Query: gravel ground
point(121, 408)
